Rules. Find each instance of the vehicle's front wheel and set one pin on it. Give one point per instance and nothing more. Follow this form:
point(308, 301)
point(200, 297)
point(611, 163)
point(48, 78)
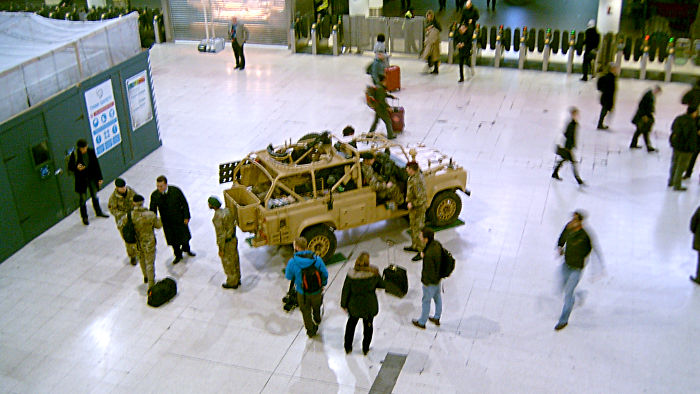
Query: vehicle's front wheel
point(445, 208)
point(321, 240)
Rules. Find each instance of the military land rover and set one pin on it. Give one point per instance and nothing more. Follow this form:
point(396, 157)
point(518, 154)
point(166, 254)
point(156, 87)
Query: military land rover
point(314, 187)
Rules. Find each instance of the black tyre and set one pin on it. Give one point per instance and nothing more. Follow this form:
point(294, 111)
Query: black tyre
point(321, 240)
point(445, 208)
point(540, 41)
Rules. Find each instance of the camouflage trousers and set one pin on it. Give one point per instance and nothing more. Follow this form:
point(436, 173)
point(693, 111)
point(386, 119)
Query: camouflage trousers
point(392, 193)
point(131, 250)
point(147, 258)
point(416, 220)
point(230, 262)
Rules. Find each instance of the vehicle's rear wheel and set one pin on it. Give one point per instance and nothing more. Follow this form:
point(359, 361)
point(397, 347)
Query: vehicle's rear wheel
point(445, 208)
point(321, 240)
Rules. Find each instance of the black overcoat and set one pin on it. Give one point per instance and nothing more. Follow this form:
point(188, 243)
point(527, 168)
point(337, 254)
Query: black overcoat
point(607, 86)
point(358, 295)
point(173, 209)
point(91, 172)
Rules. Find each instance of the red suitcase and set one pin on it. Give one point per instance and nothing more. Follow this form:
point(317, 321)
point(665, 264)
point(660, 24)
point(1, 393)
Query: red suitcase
point(393, 78)
point(397, 118)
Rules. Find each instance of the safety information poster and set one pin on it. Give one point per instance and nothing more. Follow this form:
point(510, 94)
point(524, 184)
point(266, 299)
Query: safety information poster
point(139, 97)
point(102, 114)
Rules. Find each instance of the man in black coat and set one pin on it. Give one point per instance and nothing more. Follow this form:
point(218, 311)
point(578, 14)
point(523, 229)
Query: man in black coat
point(644, 118)
point(565, 153)
point(470, 14)
point(684, 141)
point(430, 278)
point(591, 43)
point(463, 40)
point(175, 215)
point(88, 177)
point(691, 98)
point(607, 84)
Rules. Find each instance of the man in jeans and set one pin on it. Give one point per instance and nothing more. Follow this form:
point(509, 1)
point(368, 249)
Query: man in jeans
point(575, 245)
point(430, 278)
point(684, 141)
point(88, 177)
point(309, 302)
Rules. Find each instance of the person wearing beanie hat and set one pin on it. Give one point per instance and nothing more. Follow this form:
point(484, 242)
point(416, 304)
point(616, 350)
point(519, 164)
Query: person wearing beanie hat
point(225, 228)
point(591, 41)
point(145, 223)
point(119, 205)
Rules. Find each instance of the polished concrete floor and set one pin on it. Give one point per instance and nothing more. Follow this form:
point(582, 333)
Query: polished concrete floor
point(74, 313)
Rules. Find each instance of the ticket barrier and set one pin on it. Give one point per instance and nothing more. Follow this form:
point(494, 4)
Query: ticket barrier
point(523, 50)
point(499, 48)
point(668, 66)
point(450, 48)
point(547, 49)
point(645, 58)
point(570, 57)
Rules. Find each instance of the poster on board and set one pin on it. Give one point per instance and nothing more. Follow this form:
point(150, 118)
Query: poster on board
point(139, 96)
point(102, 114)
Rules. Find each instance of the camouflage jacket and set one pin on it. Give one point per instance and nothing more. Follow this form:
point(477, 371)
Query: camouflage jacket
point(145, 222)
point(119, 205)
point(225, 227)
point(415, 190)
point(371, 178)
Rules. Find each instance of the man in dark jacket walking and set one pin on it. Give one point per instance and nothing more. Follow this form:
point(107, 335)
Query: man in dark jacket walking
point(88, 177)
point(470, 14)
point(695, 229)
point(692, 99)
point(607, 84)
point(684, 137)
point(302, 268)
point(566, 153)
point(464, 47)
point(430, 278)
point(381, 108)
point(644, 118)
point(175, 215)
point(591, 43)
point(575, 245)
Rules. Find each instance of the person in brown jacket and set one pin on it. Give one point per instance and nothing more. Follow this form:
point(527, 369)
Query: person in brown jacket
point(431, 43)
point(430, 278)
point(359, 300)
point(695, 229)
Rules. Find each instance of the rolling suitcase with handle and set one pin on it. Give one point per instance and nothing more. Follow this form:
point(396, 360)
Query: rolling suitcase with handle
point(397, 113)
point(395, 280)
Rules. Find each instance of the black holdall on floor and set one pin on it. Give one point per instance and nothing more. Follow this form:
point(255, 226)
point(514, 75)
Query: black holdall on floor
point(162, 292)
point(395, 280)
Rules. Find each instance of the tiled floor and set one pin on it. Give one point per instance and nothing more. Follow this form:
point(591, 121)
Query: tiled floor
point(74, 317)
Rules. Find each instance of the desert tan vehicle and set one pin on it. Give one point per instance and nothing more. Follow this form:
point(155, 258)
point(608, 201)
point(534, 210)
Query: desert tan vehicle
point(314, 187)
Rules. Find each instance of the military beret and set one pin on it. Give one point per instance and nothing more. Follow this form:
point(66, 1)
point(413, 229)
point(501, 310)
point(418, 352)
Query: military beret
point(119, 182)
point(138, 198)
point(214, 202)
point(367, 155)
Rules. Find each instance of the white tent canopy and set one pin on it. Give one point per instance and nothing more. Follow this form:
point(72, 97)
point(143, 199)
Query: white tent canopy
point(40, 57)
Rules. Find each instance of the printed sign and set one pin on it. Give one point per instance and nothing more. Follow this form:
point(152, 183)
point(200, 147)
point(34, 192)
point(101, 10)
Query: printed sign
point(139, 96)
point(102, 114)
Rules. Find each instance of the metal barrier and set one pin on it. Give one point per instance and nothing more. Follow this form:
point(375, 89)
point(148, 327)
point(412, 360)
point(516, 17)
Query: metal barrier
point(546, 49)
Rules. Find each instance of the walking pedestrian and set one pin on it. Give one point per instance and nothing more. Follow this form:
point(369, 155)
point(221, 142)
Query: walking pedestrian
point(644, 118)
point(684, 141)
point(591, 41)
point(430, 278)
point(175, 214)
point(359, 299)
point(575, 245)
point(566, 152)
point(417, 204)
point(695, 229)
point(381, 108)
point(225, 228)
point(431, 42)
point(239, 36)
point(469, 16)
point(691, 98)
point(310, 276)
point(464, 50)
point(607, 85)
point(492, 3)
point(85, 167)
point(121, 202)
point(145, 223)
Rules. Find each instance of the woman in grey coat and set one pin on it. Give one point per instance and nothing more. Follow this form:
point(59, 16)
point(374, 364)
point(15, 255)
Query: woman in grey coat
point(359, 300)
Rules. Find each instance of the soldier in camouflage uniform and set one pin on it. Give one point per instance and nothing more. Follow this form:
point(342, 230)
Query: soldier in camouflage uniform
point(120, 203)
point(417, 200)
point(384, 190)
point(225, 227)
point(145, 222)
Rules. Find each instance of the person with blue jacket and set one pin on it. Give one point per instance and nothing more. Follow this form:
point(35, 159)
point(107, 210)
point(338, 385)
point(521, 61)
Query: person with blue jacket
point(310, 276)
